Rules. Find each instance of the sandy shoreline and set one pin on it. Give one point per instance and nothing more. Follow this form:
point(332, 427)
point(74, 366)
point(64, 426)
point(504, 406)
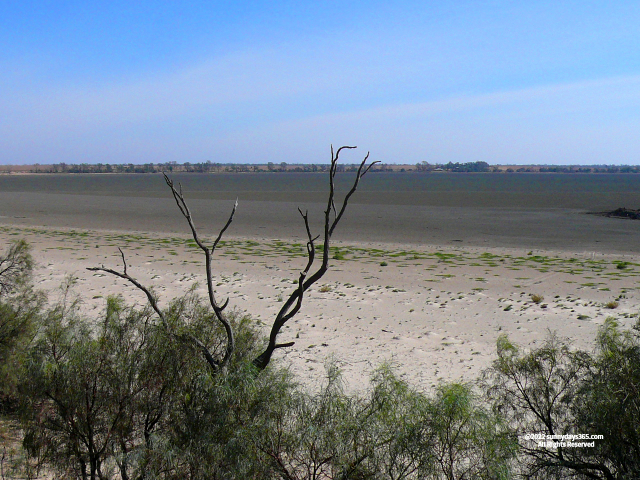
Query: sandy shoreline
point(434, 312)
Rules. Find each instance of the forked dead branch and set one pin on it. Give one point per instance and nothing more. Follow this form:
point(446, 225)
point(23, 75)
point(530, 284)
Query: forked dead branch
point(307, 278)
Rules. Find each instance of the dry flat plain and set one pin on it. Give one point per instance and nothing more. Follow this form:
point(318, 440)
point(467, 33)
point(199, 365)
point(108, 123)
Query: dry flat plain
point(427, 285)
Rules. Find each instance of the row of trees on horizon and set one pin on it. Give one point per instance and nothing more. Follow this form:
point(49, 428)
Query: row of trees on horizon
point(216, 167)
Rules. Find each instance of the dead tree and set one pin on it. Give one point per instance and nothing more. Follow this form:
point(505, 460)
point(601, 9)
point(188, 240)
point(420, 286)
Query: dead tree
point(308, 277)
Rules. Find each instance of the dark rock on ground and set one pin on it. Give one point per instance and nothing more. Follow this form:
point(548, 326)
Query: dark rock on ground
point(621, 213)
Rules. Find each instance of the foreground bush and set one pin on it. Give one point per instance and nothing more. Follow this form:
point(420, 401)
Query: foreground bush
point(554, 391)
point(20, 308)
point(119, 396)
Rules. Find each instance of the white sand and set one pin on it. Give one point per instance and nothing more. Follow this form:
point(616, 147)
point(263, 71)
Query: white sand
point(433, 312)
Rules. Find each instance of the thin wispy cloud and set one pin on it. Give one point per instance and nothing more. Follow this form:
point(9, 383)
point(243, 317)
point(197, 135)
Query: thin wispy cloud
point(497, 82)
point(566, 123)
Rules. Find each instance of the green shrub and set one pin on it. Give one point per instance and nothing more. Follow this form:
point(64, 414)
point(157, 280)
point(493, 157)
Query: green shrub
point(536, 298)
point(20, 310)
point(391, 432)
point(337, 254)
point(556, 390)
point(16, 266)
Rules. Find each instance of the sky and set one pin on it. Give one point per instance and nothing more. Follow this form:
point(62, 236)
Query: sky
point(505, 82)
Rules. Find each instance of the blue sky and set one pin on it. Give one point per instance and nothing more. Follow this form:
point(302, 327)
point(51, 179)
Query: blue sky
point(253, 82)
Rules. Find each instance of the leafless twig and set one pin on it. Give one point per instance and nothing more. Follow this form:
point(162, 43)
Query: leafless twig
point(208, 252)
point(331, 219)
point(154, 304)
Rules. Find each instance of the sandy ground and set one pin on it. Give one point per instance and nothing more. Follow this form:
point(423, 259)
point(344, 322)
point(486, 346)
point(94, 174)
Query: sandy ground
point(434, 312)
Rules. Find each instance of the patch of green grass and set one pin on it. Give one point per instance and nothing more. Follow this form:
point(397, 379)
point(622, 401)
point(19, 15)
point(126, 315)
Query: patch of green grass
point(612, 304)
point(445, 257)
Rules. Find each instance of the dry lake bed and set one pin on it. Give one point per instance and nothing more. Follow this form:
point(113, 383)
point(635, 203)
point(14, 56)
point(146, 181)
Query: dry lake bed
point(427, 270)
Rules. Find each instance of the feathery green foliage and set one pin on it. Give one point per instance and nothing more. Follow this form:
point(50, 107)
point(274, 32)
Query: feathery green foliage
point(555, 390)
point(20, 307)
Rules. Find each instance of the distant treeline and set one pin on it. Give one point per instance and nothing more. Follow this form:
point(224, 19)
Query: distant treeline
point(579, 169)
point(485, 167)
point(215, 167)
point(456, 167)
point(204, 167)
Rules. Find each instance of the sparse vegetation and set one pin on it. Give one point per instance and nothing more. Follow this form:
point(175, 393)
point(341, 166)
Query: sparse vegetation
point(338, 255)
point(536, 298)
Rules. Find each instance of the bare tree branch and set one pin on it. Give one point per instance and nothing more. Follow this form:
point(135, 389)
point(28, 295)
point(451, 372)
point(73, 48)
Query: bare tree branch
point(124, 275)
point(293, 304)
point(217, 309)
point(154, 304)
